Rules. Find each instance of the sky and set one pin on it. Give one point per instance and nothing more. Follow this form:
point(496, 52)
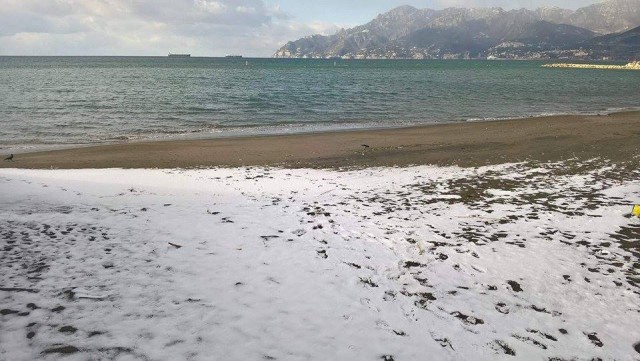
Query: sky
point(199, 27)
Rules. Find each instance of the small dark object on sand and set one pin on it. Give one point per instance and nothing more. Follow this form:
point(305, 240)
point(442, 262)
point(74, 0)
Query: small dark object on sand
point(366, 145)
point(10, 157)
point(175, 245)
point(515, 286)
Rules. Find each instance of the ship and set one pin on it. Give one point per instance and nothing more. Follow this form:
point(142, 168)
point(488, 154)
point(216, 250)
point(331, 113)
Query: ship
point(234, 56)
point(179, 55)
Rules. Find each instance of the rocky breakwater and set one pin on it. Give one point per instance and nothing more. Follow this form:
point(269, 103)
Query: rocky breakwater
point(635, 65)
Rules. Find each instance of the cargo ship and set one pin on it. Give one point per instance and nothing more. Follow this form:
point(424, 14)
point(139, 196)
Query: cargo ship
point(234, 56)
point(179, 55)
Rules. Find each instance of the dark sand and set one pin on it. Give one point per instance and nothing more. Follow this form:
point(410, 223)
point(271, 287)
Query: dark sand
point(615, 137)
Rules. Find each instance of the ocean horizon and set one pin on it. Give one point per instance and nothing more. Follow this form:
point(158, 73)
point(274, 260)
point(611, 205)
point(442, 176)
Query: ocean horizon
point(61, 101)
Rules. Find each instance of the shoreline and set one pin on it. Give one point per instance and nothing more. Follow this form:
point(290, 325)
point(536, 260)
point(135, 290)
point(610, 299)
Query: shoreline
point(285, 129)
point(471, 143)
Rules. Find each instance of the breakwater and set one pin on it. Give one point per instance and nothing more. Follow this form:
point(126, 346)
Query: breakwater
point(630, 66)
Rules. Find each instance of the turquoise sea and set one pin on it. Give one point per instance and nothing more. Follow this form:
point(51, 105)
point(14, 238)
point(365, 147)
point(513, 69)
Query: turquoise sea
point(58, 101)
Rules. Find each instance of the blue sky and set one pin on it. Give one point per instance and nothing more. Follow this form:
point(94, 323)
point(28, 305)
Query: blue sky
point(199, 27)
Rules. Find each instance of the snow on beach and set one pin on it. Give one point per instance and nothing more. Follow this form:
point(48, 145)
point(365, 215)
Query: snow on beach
point(516, 261)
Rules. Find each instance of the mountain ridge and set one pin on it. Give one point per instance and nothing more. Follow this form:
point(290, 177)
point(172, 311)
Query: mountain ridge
point(409, 32)
point(625, 45)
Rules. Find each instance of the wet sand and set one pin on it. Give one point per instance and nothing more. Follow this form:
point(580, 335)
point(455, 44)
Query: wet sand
point(615, 136)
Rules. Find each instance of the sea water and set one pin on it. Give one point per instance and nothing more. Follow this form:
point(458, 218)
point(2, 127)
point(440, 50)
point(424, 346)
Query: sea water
point(62, 101)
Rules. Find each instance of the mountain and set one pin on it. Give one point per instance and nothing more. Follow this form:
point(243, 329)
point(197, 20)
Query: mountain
point(474, 38)
point(620, 46)
point(611, 16)
point(408, 32)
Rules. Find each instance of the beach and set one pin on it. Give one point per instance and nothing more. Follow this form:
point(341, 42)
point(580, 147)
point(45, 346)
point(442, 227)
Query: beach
point(553, 138)
point(507, 239)
point(257, 180)
point(526, 261)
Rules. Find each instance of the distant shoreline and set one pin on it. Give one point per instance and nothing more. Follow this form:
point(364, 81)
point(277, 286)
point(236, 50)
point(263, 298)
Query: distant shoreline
point(465, 144)
point(540, 60)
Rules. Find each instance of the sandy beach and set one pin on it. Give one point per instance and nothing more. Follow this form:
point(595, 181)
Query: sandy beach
point(551, 138)
point(300, 247)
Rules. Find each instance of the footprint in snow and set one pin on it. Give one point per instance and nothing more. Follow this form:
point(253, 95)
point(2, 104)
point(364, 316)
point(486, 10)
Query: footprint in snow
point(593, 337)
point(469, 320)
point(502, 308)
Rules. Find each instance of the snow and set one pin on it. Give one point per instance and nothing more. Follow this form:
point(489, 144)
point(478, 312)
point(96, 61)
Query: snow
point(446, 263)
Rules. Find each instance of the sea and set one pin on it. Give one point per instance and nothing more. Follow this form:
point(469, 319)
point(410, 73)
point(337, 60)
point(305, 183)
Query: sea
point(54, 102)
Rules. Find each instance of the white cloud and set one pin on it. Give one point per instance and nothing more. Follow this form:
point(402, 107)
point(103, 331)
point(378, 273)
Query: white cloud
point(147, 27)
point(214, 7)
point(507, 4)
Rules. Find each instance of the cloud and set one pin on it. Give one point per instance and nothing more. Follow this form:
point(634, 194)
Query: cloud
point(507, 4)
point(147, 27)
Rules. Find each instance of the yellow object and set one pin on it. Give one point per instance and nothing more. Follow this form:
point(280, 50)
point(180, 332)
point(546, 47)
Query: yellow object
point(636, 210)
